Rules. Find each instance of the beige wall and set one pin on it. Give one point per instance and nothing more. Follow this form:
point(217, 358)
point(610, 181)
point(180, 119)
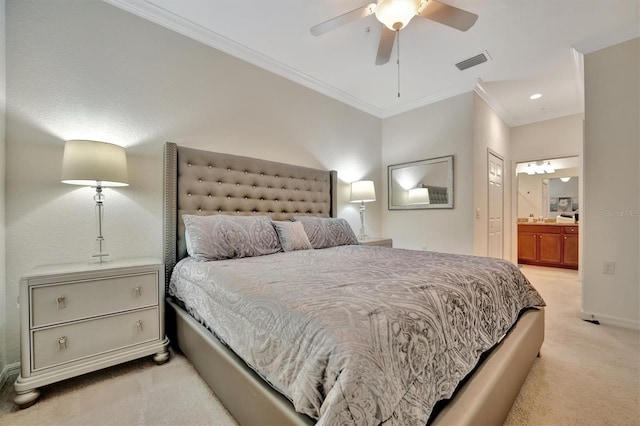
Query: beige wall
point(85, 69)
point(3, 98)
point(560, 137)
point(490, 132)
point(611, 176)
point(436, 130)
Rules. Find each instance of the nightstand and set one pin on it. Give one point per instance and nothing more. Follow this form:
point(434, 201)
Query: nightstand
point(373, 241)
point(78, 318)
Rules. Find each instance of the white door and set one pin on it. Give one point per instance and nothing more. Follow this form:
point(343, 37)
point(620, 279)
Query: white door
point(496, 205)
point(545, 198)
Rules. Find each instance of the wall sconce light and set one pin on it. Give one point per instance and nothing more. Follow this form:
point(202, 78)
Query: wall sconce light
point(362, 191)
point(95, 164)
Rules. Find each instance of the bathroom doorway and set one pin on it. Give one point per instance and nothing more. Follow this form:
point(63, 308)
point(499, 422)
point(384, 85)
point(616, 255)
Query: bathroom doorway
point(548, 207)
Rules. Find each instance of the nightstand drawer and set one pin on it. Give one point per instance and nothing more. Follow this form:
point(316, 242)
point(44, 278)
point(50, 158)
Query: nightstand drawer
point(54, 304)
point(66, 343)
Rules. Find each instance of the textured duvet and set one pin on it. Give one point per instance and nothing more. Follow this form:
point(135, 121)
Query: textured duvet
point(356, 334)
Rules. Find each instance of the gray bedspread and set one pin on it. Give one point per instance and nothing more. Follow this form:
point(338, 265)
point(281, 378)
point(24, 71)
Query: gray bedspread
point(356, 334)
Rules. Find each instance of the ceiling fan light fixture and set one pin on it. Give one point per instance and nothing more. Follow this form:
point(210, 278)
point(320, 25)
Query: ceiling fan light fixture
point(396, 14)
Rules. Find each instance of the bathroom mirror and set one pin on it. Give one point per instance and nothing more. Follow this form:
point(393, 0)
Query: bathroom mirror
point(425, 184)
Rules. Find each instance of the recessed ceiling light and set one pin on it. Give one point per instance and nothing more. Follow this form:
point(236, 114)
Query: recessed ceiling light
point(535, 96)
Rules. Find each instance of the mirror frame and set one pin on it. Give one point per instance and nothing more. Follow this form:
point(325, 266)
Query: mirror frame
point(390, 169)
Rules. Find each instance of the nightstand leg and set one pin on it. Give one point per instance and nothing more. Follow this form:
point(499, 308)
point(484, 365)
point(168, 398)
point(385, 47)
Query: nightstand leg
point(27, 398)
point(161, 357)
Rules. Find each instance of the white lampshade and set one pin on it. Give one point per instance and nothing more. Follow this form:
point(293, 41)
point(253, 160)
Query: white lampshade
point(396, 14)
point(419, 196)
point(565, 179)
point(363, 191)
point(94, 163)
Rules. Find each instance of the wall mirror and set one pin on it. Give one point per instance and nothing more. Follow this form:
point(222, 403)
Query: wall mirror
point(426, 184)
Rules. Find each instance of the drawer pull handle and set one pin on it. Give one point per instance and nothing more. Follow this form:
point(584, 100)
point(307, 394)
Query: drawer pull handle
point(139, 325)
point(62, 343)
point(61, 302)
point(137, 291)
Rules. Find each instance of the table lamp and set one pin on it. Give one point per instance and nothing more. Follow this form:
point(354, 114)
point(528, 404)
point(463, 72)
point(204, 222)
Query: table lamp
point(362, 191)
point(95, 164)
point(419, 195)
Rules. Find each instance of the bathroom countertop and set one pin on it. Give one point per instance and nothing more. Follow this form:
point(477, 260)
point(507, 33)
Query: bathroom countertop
point(551, 224)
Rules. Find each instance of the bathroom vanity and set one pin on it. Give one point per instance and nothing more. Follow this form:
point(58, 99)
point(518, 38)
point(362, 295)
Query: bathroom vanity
point(548, 244)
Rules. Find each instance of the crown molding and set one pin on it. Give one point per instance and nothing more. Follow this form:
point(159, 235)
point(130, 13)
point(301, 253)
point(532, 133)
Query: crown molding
point(548, 115)
point(163, 17)
point(408, 106)
point(167, 19)
point(481, 90)
point(578, 69)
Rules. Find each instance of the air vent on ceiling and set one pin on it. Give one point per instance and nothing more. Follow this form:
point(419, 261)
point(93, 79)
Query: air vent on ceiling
point(473, 61)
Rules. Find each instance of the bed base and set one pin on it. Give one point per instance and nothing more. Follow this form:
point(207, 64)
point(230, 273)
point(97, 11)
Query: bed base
point(485, 398)
point(248, 398)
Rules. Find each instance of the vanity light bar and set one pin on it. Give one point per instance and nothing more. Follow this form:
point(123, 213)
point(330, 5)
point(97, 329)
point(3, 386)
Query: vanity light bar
point(539, 168)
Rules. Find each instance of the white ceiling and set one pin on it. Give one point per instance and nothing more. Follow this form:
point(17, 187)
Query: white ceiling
point(535, 46)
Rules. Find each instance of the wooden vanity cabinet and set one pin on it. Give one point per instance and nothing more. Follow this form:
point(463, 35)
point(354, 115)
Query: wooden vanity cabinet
point(548, 245)
point(570, 247)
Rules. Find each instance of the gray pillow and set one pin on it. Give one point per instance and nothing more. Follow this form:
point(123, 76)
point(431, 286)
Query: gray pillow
point(292, 236)
point(326, 232)
point(219, 237)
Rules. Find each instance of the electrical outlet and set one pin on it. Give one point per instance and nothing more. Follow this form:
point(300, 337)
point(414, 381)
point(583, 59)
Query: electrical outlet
point(609, 268)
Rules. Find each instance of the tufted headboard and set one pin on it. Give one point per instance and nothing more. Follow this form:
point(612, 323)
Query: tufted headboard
point(205, 183)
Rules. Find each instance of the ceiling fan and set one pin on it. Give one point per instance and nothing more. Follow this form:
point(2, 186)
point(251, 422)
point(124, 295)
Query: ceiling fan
point(395, 15)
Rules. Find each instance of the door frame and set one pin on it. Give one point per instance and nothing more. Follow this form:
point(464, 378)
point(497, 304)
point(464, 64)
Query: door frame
point(501, 157)
point(514, 202)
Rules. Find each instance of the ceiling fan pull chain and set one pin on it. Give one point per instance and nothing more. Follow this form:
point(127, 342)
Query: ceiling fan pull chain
point(398, 60)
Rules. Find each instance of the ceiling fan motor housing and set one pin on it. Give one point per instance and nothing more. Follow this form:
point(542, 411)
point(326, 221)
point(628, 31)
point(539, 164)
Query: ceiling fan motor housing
point(396, 14)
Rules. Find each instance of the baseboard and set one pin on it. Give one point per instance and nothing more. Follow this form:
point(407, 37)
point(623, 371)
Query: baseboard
point(610, 320)
point(8, 372)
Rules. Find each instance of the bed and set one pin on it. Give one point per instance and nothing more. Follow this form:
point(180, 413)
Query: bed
point(201, 184)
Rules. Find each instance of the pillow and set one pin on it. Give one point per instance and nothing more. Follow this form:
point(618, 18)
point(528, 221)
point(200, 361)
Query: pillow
point(327, 232)
point(219, 237)
point(292, 236)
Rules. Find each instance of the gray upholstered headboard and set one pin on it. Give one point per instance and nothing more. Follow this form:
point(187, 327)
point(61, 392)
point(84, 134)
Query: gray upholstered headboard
point(205, 183)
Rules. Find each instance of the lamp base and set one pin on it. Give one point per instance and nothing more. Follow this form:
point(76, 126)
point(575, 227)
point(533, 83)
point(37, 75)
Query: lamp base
point(101, 245)
point(362, 235)
point(100, 258)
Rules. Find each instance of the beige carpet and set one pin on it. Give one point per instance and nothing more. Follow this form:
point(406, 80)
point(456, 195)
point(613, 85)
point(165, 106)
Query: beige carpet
point(587, 375)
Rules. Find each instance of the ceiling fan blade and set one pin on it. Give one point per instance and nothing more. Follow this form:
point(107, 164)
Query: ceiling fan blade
point(343, 19)
point(387, 37)
point(447, 15)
